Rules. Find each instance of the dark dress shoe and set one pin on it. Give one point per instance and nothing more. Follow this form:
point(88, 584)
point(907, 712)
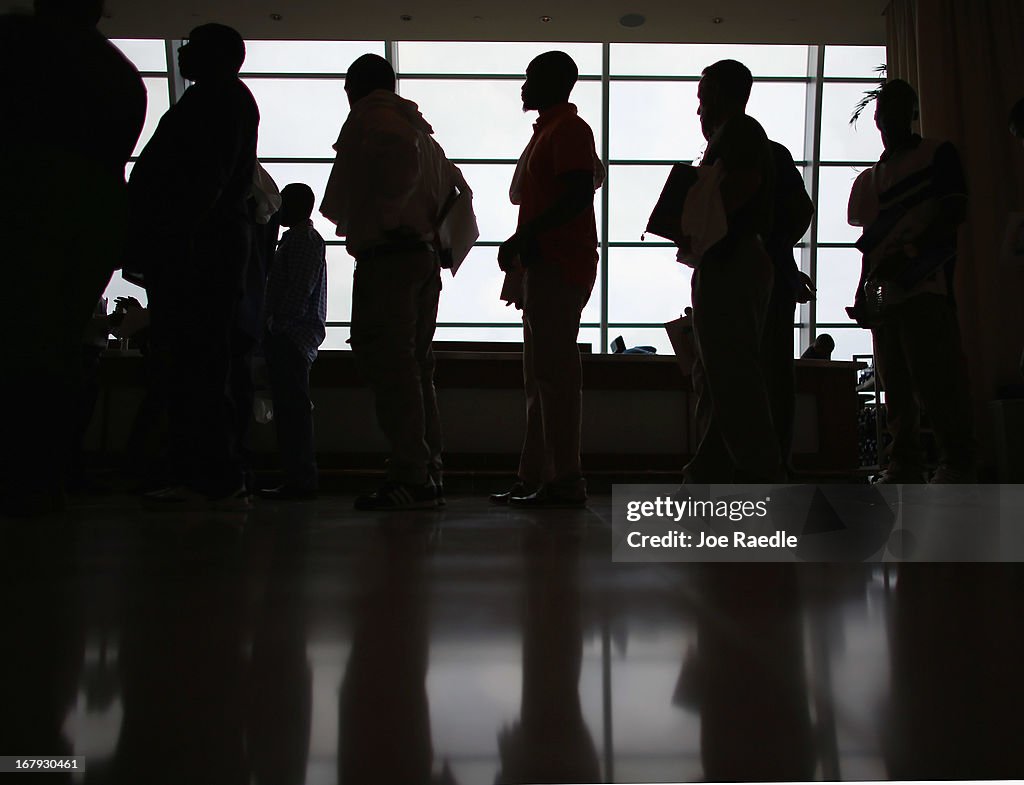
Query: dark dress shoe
point(287, 493)
point(503, 499)
point(549, 497)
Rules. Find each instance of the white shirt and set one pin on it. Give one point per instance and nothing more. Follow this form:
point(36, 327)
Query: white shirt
point(389, 174)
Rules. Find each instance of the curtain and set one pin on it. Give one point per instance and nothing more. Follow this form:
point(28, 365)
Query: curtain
point(966, 59)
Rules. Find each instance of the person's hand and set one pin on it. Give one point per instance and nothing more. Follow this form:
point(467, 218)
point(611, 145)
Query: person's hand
point(509, 253)
point(126, 304)
point(805, 289)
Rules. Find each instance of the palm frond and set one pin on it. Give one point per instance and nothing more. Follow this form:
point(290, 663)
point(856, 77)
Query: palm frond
point(869, 95)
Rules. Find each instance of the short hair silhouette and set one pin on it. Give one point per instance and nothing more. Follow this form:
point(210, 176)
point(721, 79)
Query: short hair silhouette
point(734, 79)
point(220, 46)
point(299, 198)
point(557, 69)
point(368, 73)
point(1017, 119)
point(897, 97)
point(85, 13)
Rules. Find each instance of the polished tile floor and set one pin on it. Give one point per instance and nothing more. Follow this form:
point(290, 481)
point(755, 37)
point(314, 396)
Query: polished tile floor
point(308, 643)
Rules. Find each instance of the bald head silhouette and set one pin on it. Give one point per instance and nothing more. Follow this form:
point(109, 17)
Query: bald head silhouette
point(550, 78)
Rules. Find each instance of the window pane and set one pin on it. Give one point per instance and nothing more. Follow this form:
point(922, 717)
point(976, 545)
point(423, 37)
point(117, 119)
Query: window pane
point(335, 340)
point(299, 118)
point(472, 295)
point(691, 59)
point(313, 175)
point(327, 57)
point(833, 197)
point(511, 334)
point(841, 141)
point(633, 192)
point(779, 108)
point(646, 285)
point(495, 214)
point(838, 274)
point(485, 119)
point(339, 284)
point(853, 60)
point(473, 57)
point(849, 341)
point(119, 287)
point(145, 54)
point(157, 102)
point(655, 120)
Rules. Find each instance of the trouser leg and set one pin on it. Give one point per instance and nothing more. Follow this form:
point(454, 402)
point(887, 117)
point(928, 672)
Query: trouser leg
point(777, 353)
point(931, 340)
point(551, 313)
point(730, 295)
point(288, 369)
point(386, 302)
point(426, 324)
point(902, 413)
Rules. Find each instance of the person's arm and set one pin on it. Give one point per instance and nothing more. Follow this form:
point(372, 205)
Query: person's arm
point(576, 196)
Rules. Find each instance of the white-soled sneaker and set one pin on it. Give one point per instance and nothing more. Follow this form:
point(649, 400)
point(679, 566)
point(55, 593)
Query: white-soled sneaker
point(400, 496)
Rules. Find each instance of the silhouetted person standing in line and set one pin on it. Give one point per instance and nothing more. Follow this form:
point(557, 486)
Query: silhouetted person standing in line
point(910, 204)
point(190, 236)
point(731, 289)
point(296, 310)
point(555, 243)
point(793, 212)
point(386, 191)
point(73, 108)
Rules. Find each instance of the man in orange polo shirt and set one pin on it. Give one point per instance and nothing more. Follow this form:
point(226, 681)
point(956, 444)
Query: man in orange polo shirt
point(555, 248)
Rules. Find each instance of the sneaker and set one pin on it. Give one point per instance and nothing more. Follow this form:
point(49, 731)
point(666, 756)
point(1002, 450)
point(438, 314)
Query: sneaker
point(948, 475)
point(287, 493)
point(896, 476)
point(181, 498)
point(174, 498)
point(400, 496)
point(503, 499)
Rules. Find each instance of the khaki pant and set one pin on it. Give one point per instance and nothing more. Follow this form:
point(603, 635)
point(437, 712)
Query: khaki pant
point(394, 315)
point(737, 441)
point(552, 377)
point(922, 366)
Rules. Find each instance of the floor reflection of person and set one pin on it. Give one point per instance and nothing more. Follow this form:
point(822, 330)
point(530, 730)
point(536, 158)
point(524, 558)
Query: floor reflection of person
point(384, 716)
point(182, 664)
point(550, 742)
point(755, 722)
point(280, 700)
point(957, 684)
point(44, 643)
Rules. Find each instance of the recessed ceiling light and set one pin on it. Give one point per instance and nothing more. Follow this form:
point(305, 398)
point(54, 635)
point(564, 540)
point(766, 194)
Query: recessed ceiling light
point(717, 20)
point(406, 17)
point(545, 19)
point(632, 20)
point(276, 17)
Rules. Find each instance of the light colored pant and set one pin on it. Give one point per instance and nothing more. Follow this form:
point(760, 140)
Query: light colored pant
point(552, 376)
point(394, 315)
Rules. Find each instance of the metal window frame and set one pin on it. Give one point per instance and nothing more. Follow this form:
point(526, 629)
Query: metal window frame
point(815, 81)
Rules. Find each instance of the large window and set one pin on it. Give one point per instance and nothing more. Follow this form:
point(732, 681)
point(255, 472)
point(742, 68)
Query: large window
point(640, 99)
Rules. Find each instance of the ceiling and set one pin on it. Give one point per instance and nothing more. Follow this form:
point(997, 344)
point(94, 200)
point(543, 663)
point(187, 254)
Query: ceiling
point(739, 21)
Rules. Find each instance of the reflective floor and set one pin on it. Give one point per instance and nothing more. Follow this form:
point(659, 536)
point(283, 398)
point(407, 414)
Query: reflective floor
point(307, 643)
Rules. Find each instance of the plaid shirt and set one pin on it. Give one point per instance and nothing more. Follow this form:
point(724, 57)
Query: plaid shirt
point(296, 304)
